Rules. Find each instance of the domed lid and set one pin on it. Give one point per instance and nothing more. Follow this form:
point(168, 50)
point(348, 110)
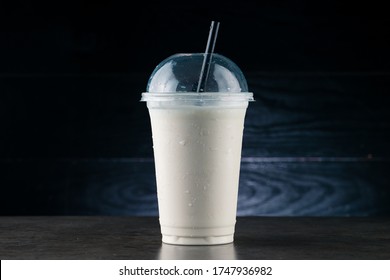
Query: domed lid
point(181, 73)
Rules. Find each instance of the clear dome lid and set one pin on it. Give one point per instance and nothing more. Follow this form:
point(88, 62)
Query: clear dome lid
point(181, 73)
point(185, 77)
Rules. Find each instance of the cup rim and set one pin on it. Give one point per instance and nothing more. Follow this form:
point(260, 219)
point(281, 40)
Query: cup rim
point(196, 96)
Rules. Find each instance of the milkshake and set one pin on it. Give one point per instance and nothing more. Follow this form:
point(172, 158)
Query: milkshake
point(197, 139)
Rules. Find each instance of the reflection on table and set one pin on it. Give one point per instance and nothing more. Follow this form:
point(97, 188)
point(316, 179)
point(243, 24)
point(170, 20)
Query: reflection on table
point(214, 252)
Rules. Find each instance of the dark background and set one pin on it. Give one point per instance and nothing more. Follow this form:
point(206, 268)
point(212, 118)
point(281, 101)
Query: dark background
point(75, 140)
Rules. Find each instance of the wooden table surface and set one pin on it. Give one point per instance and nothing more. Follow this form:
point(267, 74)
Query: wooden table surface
point(128, 237)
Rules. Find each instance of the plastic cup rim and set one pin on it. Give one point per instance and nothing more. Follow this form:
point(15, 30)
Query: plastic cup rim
point(196, 96)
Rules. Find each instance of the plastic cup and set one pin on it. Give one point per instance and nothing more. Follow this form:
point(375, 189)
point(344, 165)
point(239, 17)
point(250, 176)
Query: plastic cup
point(197, 140)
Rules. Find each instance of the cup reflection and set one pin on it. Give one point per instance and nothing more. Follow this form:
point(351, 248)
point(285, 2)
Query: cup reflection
point(214, 252)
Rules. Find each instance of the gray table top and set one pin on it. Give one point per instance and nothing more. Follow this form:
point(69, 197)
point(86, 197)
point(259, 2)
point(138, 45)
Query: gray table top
point(139, 238)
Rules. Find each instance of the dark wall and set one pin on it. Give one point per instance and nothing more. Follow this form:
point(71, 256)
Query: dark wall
point(59, 37)
point(75, 139)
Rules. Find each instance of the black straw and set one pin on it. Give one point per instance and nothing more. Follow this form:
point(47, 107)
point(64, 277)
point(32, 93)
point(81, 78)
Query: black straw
point(204, 72)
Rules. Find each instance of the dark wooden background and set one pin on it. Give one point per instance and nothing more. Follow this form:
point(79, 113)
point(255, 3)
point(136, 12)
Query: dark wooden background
point(75, 140)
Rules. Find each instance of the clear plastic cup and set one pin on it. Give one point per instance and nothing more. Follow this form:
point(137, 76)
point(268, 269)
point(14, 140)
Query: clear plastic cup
point(197, 140)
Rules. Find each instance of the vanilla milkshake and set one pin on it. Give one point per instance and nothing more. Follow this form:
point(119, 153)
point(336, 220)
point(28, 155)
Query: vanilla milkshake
point(197, 141)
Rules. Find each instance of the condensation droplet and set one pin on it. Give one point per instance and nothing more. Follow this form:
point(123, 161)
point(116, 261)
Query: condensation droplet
point(183, 142)
point(190, 204)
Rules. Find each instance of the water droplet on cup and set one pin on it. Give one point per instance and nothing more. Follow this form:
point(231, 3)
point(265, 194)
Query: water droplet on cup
point(183, 142)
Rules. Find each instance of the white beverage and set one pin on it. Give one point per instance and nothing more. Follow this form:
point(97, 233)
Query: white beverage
point(197, 125)
point(197, 152)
